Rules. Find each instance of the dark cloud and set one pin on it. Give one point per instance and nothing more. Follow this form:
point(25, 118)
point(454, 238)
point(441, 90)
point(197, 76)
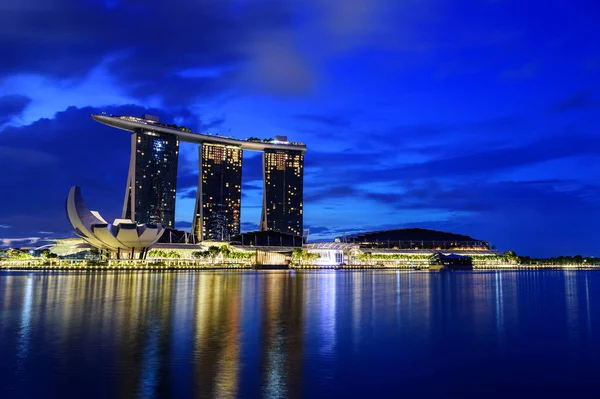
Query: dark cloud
point(579, 100)
point(340, 160)
point(383, 150)
point(182, 51)
point(249, 226)
point(331, 232)
point(182, 225)
point(480, 161)
point(12, 105)
point(40, 162)
point(252, 185)
point(519, 198)
point(187, 183)
point(146, 47)
point(541, 218)
point(187, 193)
point(175, 90)
point(319, 229)
point(491, 160)
point(252, 190)
point(331, 192)
point(215, 123)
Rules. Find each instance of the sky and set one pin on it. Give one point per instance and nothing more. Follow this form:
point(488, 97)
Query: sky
point(477, 117)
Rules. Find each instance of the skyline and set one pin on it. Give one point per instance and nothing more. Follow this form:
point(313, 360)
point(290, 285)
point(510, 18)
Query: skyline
point(478, 118)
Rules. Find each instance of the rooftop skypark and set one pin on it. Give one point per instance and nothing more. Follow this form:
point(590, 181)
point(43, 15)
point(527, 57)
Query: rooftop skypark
point(131, 123)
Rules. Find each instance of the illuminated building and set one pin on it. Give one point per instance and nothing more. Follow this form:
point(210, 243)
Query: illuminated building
point(151, 185)
point(219, 195)
point(152, 179)
point(283, 174)
point(416, 238)
point(119, 237)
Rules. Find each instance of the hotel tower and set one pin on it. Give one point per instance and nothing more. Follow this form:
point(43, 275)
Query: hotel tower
point(151, 184)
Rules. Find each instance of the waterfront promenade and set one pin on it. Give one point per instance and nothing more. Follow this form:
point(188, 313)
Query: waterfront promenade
point(179, 264)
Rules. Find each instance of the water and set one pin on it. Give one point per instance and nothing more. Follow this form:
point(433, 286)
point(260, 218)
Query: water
point(300, 334)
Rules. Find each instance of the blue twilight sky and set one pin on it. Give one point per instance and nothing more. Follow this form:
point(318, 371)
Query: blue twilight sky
point(478, 117)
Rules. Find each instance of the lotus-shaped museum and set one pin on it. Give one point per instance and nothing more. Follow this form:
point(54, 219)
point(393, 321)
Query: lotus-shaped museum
point(122, 236)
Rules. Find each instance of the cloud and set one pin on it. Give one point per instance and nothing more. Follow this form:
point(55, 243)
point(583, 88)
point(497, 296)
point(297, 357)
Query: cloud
point(507, 213)
point(187, 193)
point(351, 22)
point(488, 160)
point(12, 105)
point(257, 45)
point(249, 226)
point(70, 39)
point(96, 88)
point(4, 226)
point(331, 232)
point(276, 66)
point(71, 149)
point(579, 100)
point(215, 123)
point(182, 225)
point(26, 157)
point(332, 192)
point(176, 62)
point(22, 242)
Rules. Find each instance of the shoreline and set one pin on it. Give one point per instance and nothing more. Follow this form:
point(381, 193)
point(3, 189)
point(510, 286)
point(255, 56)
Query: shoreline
point(158, 268)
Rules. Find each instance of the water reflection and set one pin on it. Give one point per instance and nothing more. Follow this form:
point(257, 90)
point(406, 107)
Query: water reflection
point(25, 322)
point(572, 305)
point(588, 317)
point(499, 294)
point(281, 334)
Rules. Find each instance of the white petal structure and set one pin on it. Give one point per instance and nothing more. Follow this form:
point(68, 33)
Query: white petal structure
point(122, 234)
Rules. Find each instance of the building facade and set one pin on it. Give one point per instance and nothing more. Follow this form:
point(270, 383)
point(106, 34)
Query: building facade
point(283, 176)
point(151, 186)
point(219, 196)
point(121, 238)
point(416, 238)
point(152, 180)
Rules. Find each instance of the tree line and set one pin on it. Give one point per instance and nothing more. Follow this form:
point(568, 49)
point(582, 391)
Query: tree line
point(224, 252)
point(300, 255)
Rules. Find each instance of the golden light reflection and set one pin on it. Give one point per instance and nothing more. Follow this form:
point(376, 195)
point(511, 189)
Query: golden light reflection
point(229, 334)
point(572, 303)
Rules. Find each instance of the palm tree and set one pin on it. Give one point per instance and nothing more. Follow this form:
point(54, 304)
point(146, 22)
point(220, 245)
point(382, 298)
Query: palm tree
point(225, 251)
point(510, 256)
point(365, 257)
point(213, 252)
point(298, 255)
